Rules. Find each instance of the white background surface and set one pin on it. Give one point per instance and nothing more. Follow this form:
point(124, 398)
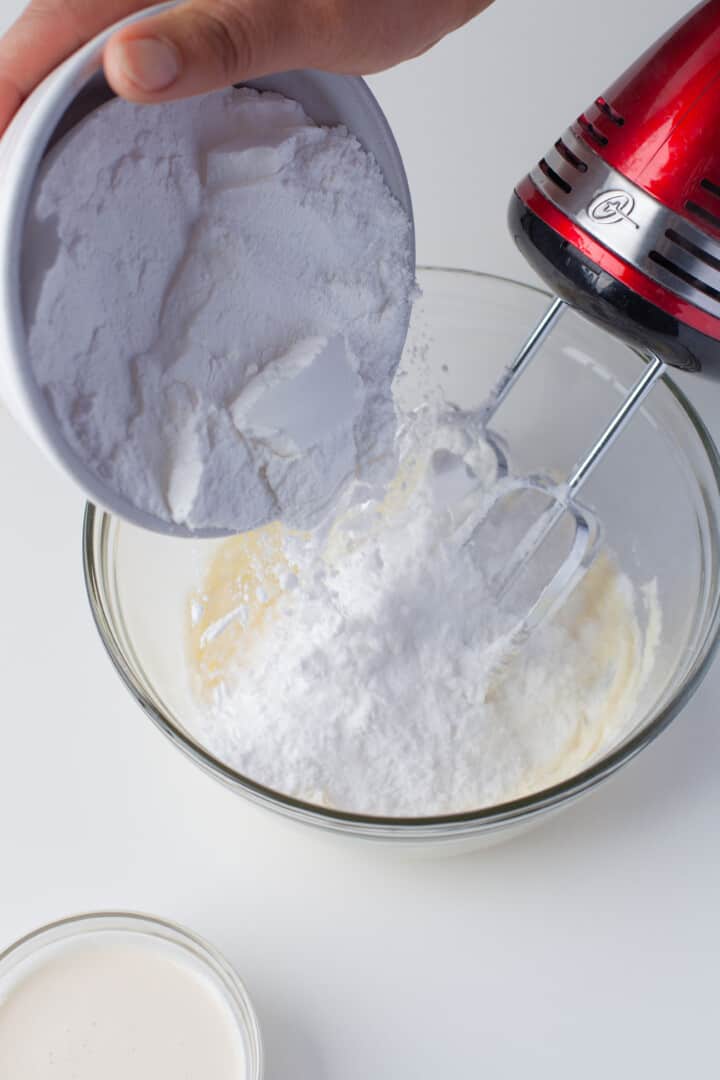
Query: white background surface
point(588, 948)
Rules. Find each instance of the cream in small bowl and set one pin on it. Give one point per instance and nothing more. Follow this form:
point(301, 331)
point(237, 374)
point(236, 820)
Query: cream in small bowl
point(117, 995)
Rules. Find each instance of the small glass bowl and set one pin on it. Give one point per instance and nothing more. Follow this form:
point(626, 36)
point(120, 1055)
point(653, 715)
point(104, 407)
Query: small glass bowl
point(133, 927)
point(657, 494)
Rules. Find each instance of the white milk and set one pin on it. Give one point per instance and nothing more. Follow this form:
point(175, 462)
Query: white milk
point(117, 1008)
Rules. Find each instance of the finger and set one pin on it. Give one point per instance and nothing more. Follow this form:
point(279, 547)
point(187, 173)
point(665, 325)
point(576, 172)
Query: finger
point(204, 45)
point(46, 33)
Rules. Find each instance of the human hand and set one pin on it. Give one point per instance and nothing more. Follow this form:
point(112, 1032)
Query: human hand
point(204, 45)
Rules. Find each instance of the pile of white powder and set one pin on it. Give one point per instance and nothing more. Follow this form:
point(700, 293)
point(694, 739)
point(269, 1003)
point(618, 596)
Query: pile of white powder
point(216, 298)
point(367, 667)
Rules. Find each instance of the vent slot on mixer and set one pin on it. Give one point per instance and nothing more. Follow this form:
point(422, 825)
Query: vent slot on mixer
point(612, 114)
point(684, 275)
point(555, 177)
point(592, 132)
point(693, 249)
point(703, 214)
point(714, 189)
point(571, 158)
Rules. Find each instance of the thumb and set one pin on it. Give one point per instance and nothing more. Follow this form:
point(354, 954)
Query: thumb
point(204, 45)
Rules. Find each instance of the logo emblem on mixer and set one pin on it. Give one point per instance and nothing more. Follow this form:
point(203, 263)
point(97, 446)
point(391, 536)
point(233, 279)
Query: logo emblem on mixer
point(612, 207)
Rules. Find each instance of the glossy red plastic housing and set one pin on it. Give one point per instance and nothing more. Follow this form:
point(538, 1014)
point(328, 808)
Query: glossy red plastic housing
point(657, 126)
point(659, 123)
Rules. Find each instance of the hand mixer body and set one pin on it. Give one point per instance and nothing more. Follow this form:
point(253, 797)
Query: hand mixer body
point(621, 218)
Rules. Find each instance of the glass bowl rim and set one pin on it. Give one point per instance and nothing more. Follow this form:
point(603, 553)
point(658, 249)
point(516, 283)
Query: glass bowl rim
point(457, 824)
point(134, 923)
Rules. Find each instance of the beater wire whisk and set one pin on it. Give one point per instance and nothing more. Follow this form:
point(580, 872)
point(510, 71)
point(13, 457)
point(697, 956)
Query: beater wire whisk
point(561, 497)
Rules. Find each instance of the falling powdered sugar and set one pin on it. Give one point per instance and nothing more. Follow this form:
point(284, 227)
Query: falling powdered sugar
point(368, 667)
point(216, 297)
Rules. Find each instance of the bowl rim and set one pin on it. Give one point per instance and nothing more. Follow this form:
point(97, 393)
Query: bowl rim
point(418, 828)
point(137, 923)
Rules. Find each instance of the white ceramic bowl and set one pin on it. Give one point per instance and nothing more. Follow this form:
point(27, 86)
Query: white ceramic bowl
point(76, 88)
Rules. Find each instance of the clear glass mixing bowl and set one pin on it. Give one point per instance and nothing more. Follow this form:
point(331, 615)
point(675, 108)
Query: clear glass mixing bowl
point(657, 494)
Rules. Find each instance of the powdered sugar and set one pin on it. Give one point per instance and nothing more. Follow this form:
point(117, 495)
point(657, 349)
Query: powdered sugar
point(192, 269)
point(370, 670)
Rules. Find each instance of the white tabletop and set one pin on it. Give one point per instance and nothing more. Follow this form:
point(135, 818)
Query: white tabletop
point(586, 948)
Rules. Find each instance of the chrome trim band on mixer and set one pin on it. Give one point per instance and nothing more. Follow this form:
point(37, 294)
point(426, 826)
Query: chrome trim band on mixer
point(630, 223)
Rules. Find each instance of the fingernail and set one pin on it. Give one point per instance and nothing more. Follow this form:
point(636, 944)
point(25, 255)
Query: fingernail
point(151, 64)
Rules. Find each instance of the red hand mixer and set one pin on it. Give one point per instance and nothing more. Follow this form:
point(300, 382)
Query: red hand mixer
point(621, 219)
